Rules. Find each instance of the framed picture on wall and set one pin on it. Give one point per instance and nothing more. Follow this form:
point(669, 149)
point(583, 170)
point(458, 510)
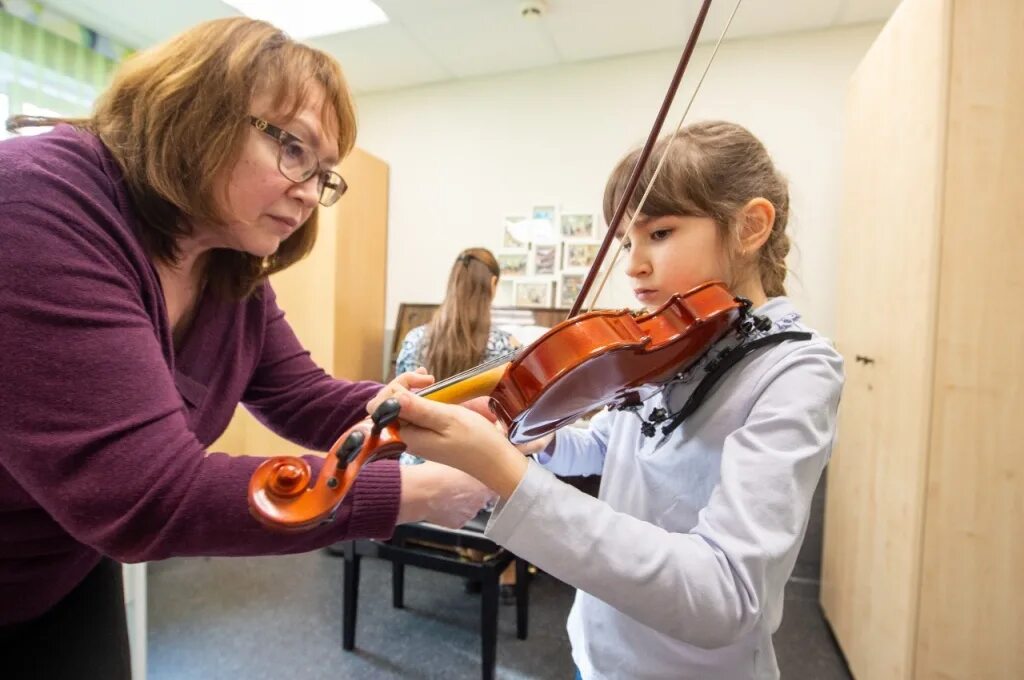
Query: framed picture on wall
point(579, 255)
point(544, 212)
point(577, 226)
point(508, 239)
point(512, 264)
point(534, 293)
point(569, 285)
point(545, 259)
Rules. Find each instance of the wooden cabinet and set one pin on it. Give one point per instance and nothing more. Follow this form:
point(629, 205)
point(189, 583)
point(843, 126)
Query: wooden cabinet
point(334, 298)
point(924, 524)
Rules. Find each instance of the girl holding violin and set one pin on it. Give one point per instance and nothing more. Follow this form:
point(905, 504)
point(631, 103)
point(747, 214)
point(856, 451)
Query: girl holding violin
point(682, 560)
point(137, 314)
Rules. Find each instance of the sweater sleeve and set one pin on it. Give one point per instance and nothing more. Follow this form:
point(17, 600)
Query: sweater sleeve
point(706, 587)
point(93, 427)
point(293, 396)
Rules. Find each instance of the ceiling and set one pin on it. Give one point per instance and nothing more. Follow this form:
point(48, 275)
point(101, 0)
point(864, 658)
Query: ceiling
point(430, 41)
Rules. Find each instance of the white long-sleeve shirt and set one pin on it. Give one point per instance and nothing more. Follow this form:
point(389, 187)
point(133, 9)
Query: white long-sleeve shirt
point(682, 560)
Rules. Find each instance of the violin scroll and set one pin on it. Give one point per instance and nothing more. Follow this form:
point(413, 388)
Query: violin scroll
point(280, 495)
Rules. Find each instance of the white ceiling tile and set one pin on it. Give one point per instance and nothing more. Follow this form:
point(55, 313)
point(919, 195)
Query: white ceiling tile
point(488, 38)
point(382, 57)
point(591, 29)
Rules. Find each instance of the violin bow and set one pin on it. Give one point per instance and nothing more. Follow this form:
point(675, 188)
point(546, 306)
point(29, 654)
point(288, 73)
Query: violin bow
point(645, 154)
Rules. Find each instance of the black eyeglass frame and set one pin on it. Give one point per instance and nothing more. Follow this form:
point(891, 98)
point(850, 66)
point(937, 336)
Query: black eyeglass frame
point(327, 178)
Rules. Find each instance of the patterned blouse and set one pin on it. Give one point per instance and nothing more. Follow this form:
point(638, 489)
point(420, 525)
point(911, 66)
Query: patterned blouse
point(410, 357)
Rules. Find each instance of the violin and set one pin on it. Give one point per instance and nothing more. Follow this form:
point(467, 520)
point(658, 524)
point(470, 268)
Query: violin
point(588, 361)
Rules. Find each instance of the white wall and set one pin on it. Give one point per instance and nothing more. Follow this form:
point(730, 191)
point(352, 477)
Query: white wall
point(463, 154)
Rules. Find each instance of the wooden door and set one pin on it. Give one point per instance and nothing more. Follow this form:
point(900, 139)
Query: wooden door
point(895, 118)
point(971, 621)
point(360, 222)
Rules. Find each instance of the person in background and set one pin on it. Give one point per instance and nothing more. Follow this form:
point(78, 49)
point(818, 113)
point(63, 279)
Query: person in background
point(137, 314)
point(459, 337)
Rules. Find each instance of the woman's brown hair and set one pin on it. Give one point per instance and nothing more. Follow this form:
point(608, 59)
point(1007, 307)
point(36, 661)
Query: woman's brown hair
point(713, 169)
point(176, 118)
point(458, 332)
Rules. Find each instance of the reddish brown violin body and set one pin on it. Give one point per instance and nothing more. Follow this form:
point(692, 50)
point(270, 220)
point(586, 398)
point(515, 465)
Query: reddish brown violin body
point(596, 358)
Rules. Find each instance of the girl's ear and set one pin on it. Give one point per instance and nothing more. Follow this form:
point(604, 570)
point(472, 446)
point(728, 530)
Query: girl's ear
point(755, 222)
point(494, 286)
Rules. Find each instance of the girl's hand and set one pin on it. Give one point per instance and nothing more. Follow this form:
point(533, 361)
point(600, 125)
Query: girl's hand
point(535, 446)
point(531, 447)
point(460, 438)
point(440, 494)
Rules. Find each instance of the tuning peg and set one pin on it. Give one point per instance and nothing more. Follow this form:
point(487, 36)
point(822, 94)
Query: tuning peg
point(384, 415)
point(350, 448)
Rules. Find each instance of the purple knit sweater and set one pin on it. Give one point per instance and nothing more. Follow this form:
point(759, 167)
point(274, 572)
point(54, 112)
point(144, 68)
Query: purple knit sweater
point(103, 425)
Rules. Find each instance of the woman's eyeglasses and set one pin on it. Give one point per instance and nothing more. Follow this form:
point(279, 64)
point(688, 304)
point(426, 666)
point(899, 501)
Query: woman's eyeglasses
point(297, 162)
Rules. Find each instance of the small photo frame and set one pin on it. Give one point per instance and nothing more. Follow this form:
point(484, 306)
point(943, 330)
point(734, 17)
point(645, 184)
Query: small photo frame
point(577, 226)
point(579, 255)
point(508, 238)
point(544, 212)
point(545, 259)
point(533, 293)
point(512, 264)
point(569, 286)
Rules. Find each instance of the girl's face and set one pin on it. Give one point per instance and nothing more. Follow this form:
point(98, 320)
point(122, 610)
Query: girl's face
point(672, 254)
point(264, 206)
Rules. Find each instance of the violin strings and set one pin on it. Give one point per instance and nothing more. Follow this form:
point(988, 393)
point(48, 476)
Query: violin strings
point(661, 161)
point(468, 373)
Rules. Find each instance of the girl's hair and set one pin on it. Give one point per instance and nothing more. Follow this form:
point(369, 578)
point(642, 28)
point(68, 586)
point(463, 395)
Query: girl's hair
point(176, 118)
point(712, 170)
point(458, 332)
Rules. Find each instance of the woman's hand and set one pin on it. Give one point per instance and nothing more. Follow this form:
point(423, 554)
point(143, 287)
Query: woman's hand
point(440, 494)
point(458, 437)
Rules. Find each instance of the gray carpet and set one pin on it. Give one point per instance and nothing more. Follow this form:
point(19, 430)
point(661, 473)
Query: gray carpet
point(280, 617)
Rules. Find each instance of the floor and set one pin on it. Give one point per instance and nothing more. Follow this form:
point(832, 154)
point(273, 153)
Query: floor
point(280, 617)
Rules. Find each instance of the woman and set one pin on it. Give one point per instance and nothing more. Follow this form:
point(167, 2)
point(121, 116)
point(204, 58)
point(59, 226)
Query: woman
point(137, 315)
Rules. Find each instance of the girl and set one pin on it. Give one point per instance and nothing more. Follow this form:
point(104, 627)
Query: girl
point(682, 561)
point(137, 314)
